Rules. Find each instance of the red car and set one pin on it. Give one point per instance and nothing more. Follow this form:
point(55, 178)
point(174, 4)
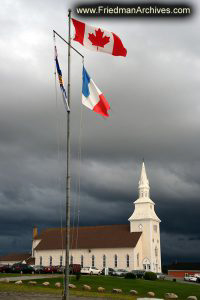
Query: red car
point(50, 269)
point(5, 269)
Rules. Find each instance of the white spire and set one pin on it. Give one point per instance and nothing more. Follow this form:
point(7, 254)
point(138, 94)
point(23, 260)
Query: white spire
point(144, 206)
point(143, 183)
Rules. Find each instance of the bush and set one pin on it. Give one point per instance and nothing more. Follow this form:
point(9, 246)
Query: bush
point(130, 276)
point(139, 275)
point(150, 276)
point(78, 275)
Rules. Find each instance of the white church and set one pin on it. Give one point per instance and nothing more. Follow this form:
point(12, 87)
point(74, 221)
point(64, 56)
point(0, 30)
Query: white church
point(134, 246)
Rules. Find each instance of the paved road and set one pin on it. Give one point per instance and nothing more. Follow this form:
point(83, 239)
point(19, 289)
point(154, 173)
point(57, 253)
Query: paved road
point(181, 280)
point(24, 296)
point(24, 277)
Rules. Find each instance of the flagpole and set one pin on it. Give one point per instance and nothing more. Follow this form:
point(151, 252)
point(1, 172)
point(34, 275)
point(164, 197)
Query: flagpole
point(67, 243)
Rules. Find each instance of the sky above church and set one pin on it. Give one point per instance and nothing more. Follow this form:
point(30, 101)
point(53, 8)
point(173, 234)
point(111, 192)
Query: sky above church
point(155, 108)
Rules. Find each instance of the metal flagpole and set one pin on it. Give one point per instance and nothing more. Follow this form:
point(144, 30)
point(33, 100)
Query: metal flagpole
point(67, 227)
point(67, 244)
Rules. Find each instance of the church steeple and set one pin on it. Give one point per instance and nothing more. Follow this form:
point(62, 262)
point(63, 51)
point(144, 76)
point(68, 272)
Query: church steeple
point(144, 206)
point(145, 220)
point(143, 186)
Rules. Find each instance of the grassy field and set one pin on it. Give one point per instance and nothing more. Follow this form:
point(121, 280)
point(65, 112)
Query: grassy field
point(142, 286)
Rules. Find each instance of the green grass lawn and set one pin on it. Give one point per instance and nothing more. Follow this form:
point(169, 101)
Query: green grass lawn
point(159, 287)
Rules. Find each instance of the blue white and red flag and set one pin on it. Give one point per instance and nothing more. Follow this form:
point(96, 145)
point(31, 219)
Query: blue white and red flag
point(92, 97)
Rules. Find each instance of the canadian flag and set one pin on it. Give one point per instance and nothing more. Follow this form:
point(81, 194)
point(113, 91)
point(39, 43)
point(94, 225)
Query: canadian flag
point(98, 39)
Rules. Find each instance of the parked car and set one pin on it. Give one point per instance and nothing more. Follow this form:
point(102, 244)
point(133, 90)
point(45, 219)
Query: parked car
point(38, 269)
point(90, 270)
point(74, 268)
point(61, 269)
point(5, 269)
point(50, 269)
point(190, 278)
point(138, 273)
point(160, 276)
point(22, 268)
point(119, 272)
point(110, 271)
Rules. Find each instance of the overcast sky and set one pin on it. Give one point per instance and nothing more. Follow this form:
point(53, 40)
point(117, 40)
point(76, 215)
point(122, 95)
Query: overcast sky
point(155, 108)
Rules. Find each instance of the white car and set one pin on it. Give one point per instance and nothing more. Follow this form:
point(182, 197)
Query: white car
point(90, 271)
point(160, 276)
point(190, 278)
point(119, 272)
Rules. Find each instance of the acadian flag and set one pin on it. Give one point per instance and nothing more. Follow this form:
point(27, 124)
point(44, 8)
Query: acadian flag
point(98, 39)
point(92, 97)
point(59, 72)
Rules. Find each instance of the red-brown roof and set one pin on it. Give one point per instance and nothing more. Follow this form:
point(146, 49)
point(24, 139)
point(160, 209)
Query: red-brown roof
point(15, 257)
point(90, 237)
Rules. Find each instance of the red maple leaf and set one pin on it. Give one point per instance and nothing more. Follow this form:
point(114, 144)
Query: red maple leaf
point(98, 39)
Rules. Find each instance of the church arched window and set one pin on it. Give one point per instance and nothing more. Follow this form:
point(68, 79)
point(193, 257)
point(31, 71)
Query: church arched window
point(115, 260)
point(138, 259)
point(104, 261)
point(71, 259)
point(127, 261)
point(61, 260)
point(40, 260)
point(50, 260)
point(155, 228)
point(93, 260)
point(82, 261)
point(156, 251)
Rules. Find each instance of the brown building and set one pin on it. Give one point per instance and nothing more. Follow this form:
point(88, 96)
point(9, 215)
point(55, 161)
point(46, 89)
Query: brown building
point(182, 269)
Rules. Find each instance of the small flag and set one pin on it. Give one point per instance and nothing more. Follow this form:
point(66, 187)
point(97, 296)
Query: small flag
point(59, 72)
point(98, 39)
point(92, 97)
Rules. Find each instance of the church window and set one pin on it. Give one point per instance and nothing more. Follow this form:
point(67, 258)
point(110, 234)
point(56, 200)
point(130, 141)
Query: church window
point(50, 260)
point(149, 267)
point(138, 259)
point(71, 259)
point(155, 228)
point(127, 261)
point(40, 260)
point(115, 260)
point(93, 260)
point(82, 261)
point(104, 261)
point(61, 260)
point(156, 251)
point(140, 227)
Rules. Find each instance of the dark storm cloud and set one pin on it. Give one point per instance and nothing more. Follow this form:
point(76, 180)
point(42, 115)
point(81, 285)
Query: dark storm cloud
point(154, 96)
